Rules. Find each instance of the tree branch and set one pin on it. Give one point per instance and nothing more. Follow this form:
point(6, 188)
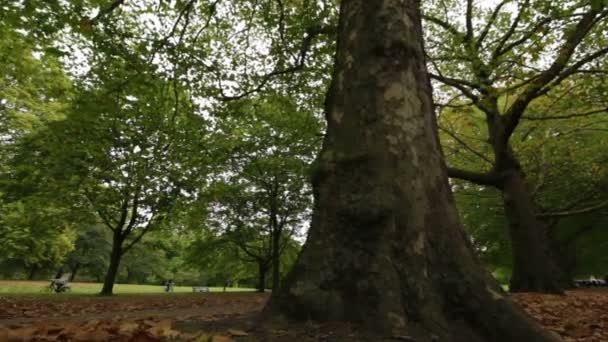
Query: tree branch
point(532, 91)
point(574, 69)
point(489, 24)
point(566, 116)
point(469, 21)
point(521, 40)
point(458, 84)
point(311, 34)
point(106, 11)
point(466, 146)
point(443, 24)
point(489, 178)
point(574, 212)
point(510, 32)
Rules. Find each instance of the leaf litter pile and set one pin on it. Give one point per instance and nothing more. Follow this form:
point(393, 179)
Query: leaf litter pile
point(580, 316)
point(125, 318)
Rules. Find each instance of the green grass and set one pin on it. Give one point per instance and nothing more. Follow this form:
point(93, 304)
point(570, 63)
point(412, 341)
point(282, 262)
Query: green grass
point(20, 287)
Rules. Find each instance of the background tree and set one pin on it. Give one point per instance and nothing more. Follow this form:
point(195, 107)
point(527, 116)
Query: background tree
point(499, 62)
point(130, 145)
point(566, 165)
point(91, 249)
point(262, 198)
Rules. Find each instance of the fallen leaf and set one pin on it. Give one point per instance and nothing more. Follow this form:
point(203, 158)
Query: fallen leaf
point(203, 338)
point(92, 336)
point(128, 328)
point(237, 332)
point(221, 338)
point(22, 334)
point(579, 332)
point(163, 328)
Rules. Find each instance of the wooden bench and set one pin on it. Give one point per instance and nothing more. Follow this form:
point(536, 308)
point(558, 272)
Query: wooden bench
point(200, 289)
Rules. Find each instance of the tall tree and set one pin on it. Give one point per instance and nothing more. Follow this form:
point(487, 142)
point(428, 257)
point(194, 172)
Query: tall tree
point(263, 197)
point(520, 55)
point(385, 247)
point(131, 147)
point(566, 165)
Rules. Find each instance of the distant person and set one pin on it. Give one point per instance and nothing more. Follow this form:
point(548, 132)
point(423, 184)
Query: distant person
point(169, 285)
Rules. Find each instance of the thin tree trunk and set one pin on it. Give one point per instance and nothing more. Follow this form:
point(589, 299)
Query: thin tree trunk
point(74, 271)
point(385, 248)
point(262, 269)
point(276, 259)
point(59, 273)
point(33, 271)
point(277, 230)
point(115, 255)
point(565, 258)
point(534, 265)
point(564, 253)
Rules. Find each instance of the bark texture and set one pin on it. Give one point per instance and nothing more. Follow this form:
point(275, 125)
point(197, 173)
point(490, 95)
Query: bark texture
point(535, 267)
point(385, 247)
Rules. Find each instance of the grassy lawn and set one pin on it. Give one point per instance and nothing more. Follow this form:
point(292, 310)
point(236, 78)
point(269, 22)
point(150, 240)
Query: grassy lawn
point(20, 287)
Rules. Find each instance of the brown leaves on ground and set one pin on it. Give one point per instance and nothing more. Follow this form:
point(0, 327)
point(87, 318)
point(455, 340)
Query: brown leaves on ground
point(123, 318)
point(124, 306)
point(105, 330)
point(580, 316)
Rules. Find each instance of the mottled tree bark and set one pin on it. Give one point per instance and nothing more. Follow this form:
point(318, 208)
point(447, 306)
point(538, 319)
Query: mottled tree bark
point(535, 267)
point(385, 248)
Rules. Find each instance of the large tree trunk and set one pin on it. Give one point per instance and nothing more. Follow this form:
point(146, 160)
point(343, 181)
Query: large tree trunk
point(385, 247)
point(115, 255)
point(535, 267)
